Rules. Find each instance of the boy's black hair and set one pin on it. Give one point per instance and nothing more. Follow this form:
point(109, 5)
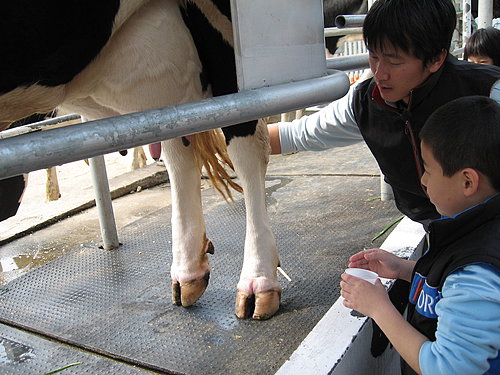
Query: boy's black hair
point(484, 42)
point(423, 28)
point(465, 133)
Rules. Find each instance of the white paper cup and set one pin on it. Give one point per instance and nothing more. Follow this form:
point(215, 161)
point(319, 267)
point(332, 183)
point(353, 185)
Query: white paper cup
point(363, 274)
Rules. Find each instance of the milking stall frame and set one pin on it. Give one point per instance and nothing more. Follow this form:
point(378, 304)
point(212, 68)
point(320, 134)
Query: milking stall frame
point(339, 340)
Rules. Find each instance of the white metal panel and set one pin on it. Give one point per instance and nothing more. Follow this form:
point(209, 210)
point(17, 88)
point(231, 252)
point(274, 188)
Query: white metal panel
point(277, 41)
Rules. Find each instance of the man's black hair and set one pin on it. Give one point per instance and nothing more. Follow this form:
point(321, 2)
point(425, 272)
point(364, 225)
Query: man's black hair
point(423, 28)
point(484, 42)
point(465, 133)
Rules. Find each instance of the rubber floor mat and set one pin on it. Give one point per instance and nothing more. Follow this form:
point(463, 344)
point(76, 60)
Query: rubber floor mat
point(118, 303)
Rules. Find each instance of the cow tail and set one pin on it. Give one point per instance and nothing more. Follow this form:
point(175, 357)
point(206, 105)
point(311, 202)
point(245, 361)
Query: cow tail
point(210, 151)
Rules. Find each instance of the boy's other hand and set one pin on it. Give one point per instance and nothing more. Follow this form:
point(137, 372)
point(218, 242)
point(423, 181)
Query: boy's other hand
point(384, 263)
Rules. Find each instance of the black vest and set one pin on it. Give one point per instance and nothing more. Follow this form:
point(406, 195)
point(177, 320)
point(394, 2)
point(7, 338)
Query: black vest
point(471, 237)
point(392, 133)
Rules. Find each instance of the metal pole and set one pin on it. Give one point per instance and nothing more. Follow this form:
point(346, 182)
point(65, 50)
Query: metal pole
point(356, 20)
point(37, 125)
point(348, 63)
point(335, 31)
point(386, 193)
point(466, 21)
point(484, 13)
point(67, 144)
point(103, 203)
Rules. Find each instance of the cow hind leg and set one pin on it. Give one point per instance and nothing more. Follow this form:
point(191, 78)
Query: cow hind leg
point(139, 158)
point(259, 291)
point(52, 191)
point(190, 268)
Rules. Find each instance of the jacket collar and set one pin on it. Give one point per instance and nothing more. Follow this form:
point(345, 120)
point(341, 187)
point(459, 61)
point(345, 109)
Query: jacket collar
point(449, 229)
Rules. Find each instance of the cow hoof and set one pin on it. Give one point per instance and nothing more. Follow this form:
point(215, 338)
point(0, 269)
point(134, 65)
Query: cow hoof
point(187, 293)
point(261, 306)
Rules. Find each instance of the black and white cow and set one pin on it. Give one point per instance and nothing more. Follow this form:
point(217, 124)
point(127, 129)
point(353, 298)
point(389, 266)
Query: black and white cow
point(105, 58)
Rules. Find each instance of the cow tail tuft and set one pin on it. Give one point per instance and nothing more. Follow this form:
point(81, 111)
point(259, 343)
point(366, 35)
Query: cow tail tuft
point(210, 151)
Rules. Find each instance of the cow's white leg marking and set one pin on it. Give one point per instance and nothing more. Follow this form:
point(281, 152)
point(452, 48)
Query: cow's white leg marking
point(258, 275)
point(190, 268)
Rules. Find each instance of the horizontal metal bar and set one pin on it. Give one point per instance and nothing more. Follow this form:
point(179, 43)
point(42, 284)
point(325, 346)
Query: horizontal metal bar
point(360, 61)
point(348, 63)
point(36, 126)
point(355, 20)
point(335, 31)
point(38, 150)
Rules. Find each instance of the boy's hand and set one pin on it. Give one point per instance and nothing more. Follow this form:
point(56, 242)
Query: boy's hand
point(384, 263)
point(362, 296)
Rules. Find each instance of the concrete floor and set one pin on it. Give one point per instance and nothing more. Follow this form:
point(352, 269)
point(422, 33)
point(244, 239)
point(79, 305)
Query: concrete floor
point(72, 220)
point(323, 206)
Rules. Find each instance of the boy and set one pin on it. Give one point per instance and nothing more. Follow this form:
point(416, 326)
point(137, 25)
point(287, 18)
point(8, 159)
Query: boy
point(453, 322)
point(483, 47)
point(408, 42)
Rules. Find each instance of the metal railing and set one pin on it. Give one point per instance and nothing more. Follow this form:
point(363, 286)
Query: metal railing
point(36, 126)
point(63, 145)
